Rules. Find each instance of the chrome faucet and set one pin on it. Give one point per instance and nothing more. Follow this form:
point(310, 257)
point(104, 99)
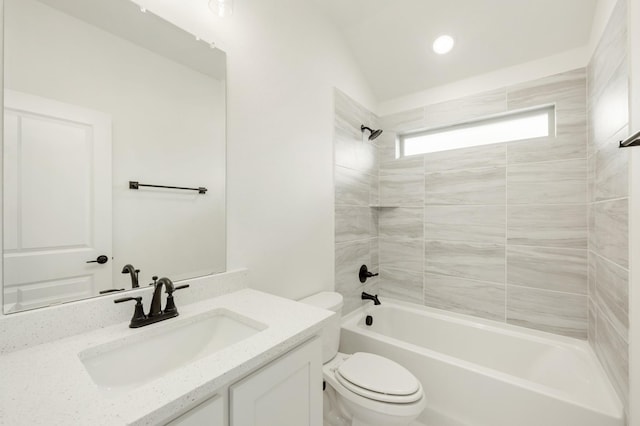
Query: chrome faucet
point(156, 313)
point(129, 269)
point(367, 296)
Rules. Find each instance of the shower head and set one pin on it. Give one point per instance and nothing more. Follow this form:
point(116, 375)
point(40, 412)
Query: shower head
point(374, 133)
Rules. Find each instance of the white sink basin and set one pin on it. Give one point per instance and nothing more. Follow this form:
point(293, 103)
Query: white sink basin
point(157, 349)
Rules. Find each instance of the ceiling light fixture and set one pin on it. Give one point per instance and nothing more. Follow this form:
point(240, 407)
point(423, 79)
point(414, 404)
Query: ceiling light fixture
point(221, 7)
point(443, 44)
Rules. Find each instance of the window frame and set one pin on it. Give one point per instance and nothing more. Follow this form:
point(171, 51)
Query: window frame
point(550, 109)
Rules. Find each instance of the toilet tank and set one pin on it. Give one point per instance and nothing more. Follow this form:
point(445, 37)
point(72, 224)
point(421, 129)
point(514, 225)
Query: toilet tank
point(330, 334)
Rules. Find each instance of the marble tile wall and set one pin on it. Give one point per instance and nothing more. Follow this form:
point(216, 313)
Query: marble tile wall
point(608, 119)
point(356, 180)
point(497, 231)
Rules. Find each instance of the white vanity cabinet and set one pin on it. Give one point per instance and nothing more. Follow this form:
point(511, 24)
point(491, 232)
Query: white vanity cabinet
point(209, 413)
point(285, 392)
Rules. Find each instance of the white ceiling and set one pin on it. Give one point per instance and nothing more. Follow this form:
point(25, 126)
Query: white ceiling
point(391, 39)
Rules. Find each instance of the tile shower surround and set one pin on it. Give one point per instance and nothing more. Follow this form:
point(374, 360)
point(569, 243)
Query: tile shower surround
point(497, 231)
point(608, 261)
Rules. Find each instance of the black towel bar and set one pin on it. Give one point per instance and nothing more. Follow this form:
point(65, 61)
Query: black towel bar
point(137, 185)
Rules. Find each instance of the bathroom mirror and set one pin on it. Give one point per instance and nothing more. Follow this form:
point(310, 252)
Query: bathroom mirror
point(101, 99)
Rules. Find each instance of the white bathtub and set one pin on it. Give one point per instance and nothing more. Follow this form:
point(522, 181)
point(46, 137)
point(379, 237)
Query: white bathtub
point(478, 372)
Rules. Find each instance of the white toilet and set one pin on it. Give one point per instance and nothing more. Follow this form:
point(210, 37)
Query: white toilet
point(363, 389)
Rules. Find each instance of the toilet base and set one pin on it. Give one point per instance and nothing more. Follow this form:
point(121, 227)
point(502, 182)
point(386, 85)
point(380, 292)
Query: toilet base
point(363, 417)
point(337, 414)
point(331, 412)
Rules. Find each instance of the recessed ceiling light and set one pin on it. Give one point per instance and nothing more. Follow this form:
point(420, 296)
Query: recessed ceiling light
point(443, 44)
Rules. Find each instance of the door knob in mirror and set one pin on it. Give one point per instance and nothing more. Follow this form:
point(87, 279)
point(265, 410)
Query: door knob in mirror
point(102, 259)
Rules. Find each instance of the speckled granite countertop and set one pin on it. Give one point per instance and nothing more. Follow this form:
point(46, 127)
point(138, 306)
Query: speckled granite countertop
point(48, 384)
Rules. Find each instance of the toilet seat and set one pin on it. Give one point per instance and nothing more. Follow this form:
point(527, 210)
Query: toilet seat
point(378, 378)
point(376, 396)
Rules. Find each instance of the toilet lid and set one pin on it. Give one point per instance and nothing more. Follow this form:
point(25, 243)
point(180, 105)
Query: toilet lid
point(379, 375)
point(376, 396)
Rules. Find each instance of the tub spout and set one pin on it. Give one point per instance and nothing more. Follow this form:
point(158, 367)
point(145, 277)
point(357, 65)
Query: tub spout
point(367, 296)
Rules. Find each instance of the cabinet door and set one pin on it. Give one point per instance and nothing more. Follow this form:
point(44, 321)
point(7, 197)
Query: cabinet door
point(286, 392)
point(209, 413)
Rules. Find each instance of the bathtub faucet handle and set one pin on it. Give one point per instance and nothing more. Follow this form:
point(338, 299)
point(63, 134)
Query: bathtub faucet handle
point(364, 273)
point(367, 296)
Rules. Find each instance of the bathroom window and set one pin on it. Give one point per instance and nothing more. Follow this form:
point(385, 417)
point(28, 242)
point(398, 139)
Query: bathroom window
point(529, 124)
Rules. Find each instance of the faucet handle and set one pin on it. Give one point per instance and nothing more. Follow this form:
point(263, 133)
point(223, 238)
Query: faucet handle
point(111, 290)
point(364, 273)
point(170, 307)
point(169, 289)
point(126, 299)
point(138, 313)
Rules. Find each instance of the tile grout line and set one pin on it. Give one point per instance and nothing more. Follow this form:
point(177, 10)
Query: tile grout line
point(359, 240)
point(497, 244)
point(589, 206)
point(610, 200)
point(424, 233)
point(601, 314)
point(607, 260)
point(461, 169)
point(506, 227)
point(440, 274)
point(507, 164)
point(511, 205)
point(548, 290)
point(550, 247)
point(496, 283)
point(591, 171)
point(605, 316)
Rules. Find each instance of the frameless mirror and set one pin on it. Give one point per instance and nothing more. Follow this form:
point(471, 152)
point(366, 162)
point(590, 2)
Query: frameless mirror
point(101, 100)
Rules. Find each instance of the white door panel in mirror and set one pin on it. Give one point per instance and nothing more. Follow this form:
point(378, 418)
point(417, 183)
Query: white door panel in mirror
point(60, 217)
point(54, 201)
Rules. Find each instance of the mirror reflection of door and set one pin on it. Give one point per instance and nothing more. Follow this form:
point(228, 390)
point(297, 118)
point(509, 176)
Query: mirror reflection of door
point(57, 202)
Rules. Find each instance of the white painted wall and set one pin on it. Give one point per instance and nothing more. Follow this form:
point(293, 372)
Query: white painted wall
point(168, 128)
point(565, 61)
point(283, 60)
point(601, 16)
point(556, 64)
point(634, 217)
